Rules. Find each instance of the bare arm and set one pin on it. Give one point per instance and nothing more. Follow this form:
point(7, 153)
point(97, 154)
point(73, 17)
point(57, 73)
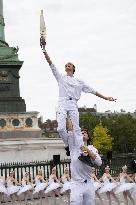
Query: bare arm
point(113, 180)
point(96, 179)
point(118, 178)
point(128, 177)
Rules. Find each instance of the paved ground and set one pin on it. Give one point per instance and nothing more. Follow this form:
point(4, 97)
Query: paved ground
point(63, 201)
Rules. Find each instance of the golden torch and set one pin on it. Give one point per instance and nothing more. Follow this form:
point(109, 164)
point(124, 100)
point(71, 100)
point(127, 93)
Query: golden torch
point(42, 31)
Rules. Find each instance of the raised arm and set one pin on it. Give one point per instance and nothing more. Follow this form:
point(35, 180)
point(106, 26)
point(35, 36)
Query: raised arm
point(49, 61)
point(52, 66)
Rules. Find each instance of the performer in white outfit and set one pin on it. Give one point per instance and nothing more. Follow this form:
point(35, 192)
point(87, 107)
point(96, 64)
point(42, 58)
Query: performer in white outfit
point(53, 186)
point(12, 187)
point(96, 182)
point(108, 186)
point(41, 185)
point(70, 89)
point(26, 188)
point(3, 189)
point(82, 187)
point(125, 186)
point(133, 191)
point(65, 180)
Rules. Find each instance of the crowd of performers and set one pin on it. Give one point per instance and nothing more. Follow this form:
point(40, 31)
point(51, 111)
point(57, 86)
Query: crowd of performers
point(54, 187)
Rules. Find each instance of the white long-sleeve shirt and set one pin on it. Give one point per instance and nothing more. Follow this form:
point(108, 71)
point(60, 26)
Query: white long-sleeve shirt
point(70, 87)
point(79, 170)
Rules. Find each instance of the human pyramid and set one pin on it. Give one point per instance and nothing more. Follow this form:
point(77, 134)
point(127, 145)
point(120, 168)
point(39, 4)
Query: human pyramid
point(83, 156)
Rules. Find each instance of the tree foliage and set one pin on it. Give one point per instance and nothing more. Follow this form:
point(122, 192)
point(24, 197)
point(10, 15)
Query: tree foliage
point(101, 139)
point(122, 129)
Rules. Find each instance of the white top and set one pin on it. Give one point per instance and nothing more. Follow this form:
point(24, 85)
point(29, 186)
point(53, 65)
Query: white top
point(122, 180)
point(37, 181)
point(24, 182)
point(64, 179)
point(2, 182)
point(70, 86)
point(9, 183)
point(105, 179)
point(79, 170)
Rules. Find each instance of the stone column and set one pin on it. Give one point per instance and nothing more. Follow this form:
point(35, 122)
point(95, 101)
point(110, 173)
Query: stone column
point(2, 24)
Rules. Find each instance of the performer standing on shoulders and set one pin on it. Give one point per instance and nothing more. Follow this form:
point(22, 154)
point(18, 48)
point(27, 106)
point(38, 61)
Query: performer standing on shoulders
point(70, 89)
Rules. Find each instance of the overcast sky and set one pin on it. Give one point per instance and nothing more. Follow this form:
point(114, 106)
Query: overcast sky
point(98, 36)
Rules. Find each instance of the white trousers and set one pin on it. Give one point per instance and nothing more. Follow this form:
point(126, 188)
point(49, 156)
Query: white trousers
point(82, 193)
point(70, 107)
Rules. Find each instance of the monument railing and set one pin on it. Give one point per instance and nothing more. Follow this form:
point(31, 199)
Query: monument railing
point(21, 167)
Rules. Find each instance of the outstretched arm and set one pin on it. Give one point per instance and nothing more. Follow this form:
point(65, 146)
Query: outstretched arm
point(104, 97)
point(88, 89)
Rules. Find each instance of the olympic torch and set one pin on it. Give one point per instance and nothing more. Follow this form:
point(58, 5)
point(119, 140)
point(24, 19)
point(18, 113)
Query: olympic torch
point(42, 31)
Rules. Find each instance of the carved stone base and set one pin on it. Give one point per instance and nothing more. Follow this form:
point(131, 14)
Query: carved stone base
point(19, 125)
point(20, 134)
point(16, 104)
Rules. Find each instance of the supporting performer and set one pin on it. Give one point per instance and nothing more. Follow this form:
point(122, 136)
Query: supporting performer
point(82, 186)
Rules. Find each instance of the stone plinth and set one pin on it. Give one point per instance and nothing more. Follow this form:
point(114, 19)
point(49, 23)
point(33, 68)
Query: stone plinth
point(10, 100)
point(28, 150)
point(19, 125)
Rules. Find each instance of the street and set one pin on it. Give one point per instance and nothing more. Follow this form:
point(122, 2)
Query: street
point(63, 201)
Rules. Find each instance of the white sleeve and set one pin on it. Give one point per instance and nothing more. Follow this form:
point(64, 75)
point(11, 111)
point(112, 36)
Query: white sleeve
point(88, 89)
point(98, 160)
point(55, 72)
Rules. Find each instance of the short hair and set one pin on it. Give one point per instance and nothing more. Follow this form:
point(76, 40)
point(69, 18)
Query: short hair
point(72, 65)
point(86, 130)
point(74, 69)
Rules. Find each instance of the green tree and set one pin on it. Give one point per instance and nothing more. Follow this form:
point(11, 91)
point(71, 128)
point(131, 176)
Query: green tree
point(101, 139)
point(123, 130)
point(89, 121)
point(121, 127)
